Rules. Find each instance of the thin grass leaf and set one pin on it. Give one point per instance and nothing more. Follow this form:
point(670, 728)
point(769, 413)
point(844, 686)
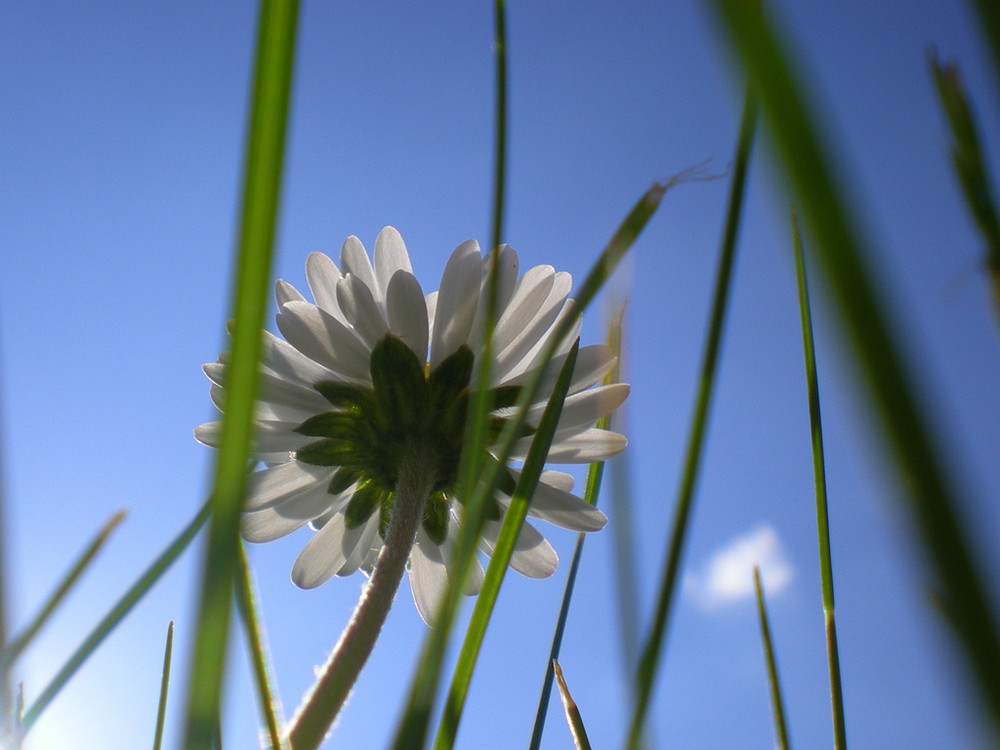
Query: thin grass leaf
point(503, 551)
point(412, 729)
point(573, 718)
point(246, 605)
point(261, 190)
point(777, 704)
point(594, 475)
point(161, 709)
point(822, 512)
point(934, 504)
point(969, 161)
point(650, 656)
point(23, 639)
point(989, 19)
point(116, 614)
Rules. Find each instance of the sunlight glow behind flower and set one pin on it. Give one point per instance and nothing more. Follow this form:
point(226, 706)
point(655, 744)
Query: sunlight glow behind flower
point(374, 368)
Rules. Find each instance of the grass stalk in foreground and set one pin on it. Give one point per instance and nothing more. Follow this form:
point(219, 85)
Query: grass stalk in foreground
point(594, 475)
point(161, 708)
point(777, 704)
point(503, 551)
point(957, 580)
point(21, 641)
point(650, 655)
point(573, 718)
point(116, 614)
point(246, 604)
point(822, 512)
point(261, 189)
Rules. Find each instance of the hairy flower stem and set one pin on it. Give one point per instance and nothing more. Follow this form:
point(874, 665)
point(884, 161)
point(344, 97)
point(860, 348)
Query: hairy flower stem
point(322, 704)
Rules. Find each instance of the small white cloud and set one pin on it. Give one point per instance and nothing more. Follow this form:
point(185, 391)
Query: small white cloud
point(728, 576)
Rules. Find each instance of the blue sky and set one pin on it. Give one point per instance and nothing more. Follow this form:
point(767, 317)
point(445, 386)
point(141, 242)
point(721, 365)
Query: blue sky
point(122, 136)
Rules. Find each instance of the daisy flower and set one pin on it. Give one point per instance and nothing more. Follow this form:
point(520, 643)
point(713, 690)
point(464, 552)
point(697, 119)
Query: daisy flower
point(373, 369)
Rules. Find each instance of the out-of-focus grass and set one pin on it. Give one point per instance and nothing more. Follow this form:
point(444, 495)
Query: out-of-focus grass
point(777, 703)
point(161, 707)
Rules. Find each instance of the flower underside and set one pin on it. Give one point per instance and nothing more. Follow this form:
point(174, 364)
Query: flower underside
point(371, 430)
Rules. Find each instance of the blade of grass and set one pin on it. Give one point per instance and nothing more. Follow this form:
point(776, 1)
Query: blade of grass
point(261, 191)
point(161, 709)
point(503, 551)
point(650, 656)
point(822, 512)
point(246, 604)
point(573, 718)
point(23, 639)
point(932, 502)
point(989, 19)
point(594, 475)
point(412, 729)
point(777, 704)
point(116, 614)
point(969, 161)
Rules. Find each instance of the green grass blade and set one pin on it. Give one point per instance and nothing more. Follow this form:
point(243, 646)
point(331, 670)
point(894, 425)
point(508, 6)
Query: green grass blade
point(161, 709)
point(933, 503)
point(969, 162)
point(500, 156)
point(573, 718)
point(246, 604)
point(650, 655)
point(777, 704)
point(595, 473)
point(116, 614)
point(261, 191)
point(513, 521)
point(23, 639)
point(822, 512)
point(412, 729)
point(989, 19)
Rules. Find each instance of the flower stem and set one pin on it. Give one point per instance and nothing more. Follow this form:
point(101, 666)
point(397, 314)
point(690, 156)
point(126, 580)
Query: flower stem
point(322, 704)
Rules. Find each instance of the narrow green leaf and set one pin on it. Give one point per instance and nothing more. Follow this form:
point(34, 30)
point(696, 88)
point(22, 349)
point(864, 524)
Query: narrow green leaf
point(934, 504)
point(650, 654)
point(246, 605)
point(116, 614)
point(502, 553)
point(573, 718)
point(261, 191)
point(23, 639)
point(822, 512)
point(594, 475)
point(161, 709)
point(777, 704)
point(989, 19)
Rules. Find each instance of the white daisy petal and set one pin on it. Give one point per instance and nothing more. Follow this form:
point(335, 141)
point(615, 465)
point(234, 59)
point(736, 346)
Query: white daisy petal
point(266, 526)
point(362, 548)
point(583, 409)
point(268, 438)
point(285, 292)
point(532, 557)
point(360, 309)
point(390, 256)
point(576, 447)
point(287, 362)
point(560, 507)
point(558, 479)
point(354, 259)
point(322, 338)
point(323, 275)
point(430, 300)
point(407, 312)
point(530, 293)
point(324, 554)
point(507, 264)
point(269, 487)
point(428, 576)
point(592, 364)
point(456, 303)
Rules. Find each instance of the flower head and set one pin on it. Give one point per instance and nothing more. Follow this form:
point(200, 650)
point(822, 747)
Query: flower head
point(374, 367)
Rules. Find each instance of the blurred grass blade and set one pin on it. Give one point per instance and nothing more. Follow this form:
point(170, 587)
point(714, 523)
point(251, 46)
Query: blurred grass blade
point(989, 19)
point(161, 710)
point(246, 604)
point(969, 161)
point(573, 717)
point(594, 475)
point(958, 581)
point(23, 639)
point(503, 551)
point(822, 511)
point(650, 655)
point(777, 704)
point(116, 614)
point(412, 729)
point(261, 190)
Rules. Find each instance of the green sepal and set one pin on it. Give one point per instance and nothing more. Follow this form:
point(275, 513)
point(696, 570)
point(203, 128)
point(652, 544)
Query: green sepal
point(344, 395)
point(328, 452)
point(361, 505)
point(436, 517)
point(400, 387)
point(450, 379)
point(506, 396)
point(332, 424)
point(343, 478)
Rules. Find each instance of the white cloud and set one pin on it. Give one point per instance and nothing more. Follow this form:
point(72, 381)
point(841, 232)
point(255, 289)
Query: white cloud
point(728, 576)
